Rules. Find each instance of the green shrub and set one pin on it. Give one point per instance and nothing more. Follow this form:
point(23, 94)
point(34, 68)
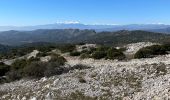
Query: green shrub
point(157, 49)
point(84, 47)
point(166, 47)
point(80, 67)
point(41, 54)
point(144, 53)
point(84, 51)
point(32, 59)
point(81, 43)
point(75, 53)
point(151, 51)
point(3, 69)
point(54, 68)
point(13, 75)
point(84, 55)
point(39, 69)
point(3, 80)
point(67, 48)
point(35, 70)
point(122, 49)
point(113, 53)
point(103, 48)
point(99, 54)
point(92, 49)
point(19, 64)
point(57, 58)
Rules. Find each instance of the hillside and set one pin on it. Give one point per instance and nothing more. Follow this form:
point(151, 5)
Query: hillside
point(125, 37)
point(76, 36)
point(53, 35)
point(161, 30)
point(95, 79)
point(4, 48)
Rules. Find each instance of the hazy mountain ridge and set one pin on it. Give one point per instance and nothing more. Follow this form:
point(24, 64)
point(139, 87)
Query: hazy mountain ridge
point(77, 36)
point(161, 30)
point(53, 35)
point(97, 27)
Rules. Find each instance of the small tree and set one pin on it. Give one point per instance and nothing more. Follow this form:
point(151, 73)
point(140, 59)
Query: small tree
point(19, 64)
point(84, 55)
point(98, 54)
point(35, 69)
point(75, 53)
point(57, 58)
point(113, 53)
point(3, 69)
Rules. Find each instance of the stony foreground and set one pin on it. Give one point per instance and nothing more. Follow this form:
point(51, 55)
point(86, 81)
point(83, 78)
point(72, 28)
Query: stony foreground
point(106, 80)
point(136, 79)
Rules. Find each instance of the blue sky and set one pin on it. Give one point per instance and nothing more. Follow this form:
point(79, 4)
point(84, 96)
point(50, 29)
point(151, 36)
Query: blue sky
point(35, 12)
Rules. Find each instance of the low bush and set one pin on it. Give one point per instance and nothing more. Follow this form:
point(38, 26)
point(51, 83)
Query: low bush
point(151, 51)
point(41, 54)
point(113, 53)
point(59, 59)
point(84, 47)
point(3, 69)
point(103, 48)
point(75, 53)
point(81, 43)
point(91, 50)
point(33, 59)
point(84, 55)
point(54, 68)
point(166, 47)
point(122, 49)
point(13, 75)
point(104, 52)
point(80, 67)
point(99, 54)
point(144, 53)
point(35, 70)
point(67, 48)
point(84, 51)
point(19, 64)
point(39, 69)
point(3, 80)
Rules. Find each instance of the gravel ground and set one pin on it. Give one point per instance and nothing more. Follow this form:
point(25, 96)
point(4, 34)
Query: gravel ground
point(136, 79)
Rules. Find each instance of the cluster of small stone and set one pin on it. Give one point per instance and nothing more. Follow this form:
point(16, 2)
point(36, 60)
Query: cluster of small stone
point(136, 79)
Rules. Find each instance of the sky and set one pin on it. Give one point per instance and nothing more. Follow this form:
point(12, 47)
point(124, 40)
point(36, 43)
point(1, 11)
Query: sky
point(38, 12)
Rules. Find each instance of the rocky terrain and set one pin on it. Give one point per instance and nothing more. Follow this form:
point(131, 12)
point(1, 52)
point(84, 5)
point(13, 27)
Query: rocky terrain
point(134, 47)
point(135, 79)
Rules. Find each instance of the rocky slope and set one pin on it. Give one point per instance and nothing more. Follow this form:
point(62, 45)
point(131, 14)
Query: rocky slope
point(134, 47)
point(136, 79)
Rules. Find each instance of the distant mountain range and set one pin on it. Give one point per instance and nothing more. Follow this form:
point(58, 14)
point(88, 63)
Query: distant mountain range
point(44, 35)
point(162, 28)
point(61, 36)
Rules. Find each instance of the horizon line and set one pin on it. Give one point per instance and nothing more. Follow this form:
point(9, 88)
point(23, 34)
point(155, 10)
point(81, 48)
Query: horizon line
point(78, 22)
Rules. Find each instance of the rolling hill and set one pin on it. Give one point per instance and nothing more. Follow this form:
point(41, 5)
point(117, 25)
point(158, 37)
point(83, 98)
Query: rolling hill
point(77, 36)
